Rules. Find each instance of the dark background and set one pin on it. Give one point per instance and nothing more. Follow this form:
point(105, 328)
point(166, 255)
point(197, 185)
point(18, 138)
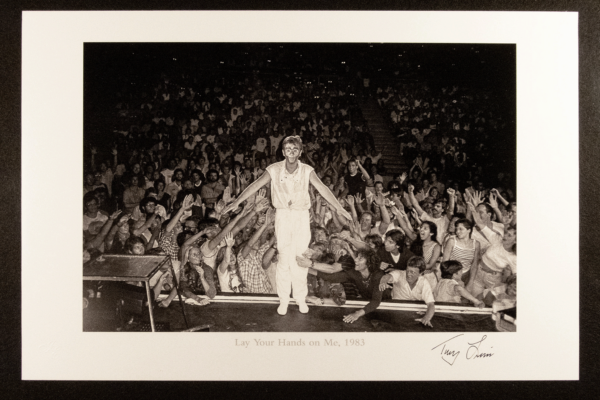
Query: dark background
point(10, 96)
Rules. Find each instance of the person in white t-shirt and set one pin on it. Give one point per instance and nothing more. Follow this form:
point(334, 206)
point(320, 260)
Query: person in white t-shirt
point(289, 193)
point(411, 285)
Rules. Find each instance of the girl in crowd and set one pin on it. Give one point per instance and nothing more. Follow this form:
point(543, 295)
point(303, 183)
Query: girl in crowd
point(228, 271)
point(194, 276)
point(163, 198)
point(463, 249)
point(426, 245)
point(499, 260)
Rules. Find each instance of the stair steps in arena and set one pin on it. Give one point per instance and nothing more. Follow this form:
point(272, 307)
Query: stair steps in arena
point(383, 138)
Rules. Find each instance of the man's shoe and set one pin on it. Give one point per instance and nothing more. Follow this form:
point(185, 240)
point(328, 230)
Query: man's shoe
point(282, 309)
point(303, 307)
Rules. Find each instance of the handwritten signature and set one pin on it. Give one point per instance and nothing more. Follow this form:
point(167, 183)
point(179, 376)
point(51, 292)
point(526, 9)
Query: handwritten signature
point(451, 349)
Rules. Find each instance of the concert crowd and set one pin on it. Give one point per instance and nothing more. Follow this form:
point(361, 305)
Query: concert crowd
point(444, 230)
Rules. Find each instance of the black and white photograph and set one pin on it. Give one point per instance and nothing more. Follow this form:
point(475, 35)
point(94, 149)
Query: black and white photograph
point(400, 211)
point(288, 194)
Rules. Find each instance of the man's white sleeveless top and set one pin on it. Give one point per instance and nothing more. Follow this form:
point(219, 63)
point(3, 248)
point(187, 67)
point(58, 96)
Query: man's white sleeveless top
point(290, 191)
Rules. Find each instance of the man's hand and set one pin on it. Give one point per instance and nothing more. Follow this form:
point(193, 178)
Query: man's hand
point(425, 321)
point(383, 283)
point(220, 206)
point(124, 219)
point(262, 205)
point(115, 215)
point(350, 318)
point(358, 198)
point(260, 195)
point(403, 177)
point(411, 188)
point(493, 202)
point(303, 262)
point(451, 192)
point(227, 195)
point(229, 240)
point(477, 198)
point(188, 202)
point(350, 200)
point(231, 207)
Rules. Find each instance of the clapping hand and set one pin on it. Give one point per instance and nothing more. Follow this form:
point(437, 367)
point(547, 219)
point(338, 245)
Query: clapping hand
point(115, 215)
point(403, 177)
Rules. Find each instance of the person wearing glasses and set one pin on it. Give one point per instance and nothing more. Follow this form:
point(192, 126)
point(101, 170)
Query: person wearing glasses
point(289, 193)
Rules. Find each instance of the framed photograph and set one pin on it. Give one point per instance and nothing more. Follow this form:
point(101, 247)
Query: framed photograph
point(485, 100)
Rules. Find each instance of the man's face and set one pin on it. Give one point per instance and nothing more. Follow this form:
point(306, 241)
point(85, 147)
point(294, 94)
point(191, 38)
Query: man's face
point(194, 256)
point(412, 275)
point(483, 214)
point(320, 236)
point(378, 188)
point(150, 208)
point(89, 179)
point(188, 184)
point(248, 163)
point(291, 152)
point(179, 176)
point(196, 177)
point(226, 170)
point(136, 169)
point(191, 226)
point(433, 178)
point(327, 181)
point(134, 181)
point(365, 221)
point(437, 210)
point(213, 177)
point(390, 245)
point(149, 170)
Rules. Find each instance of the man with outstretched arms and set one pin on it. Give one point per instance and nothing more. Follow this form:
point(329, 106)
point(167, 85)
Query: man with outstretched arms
point(289, 193)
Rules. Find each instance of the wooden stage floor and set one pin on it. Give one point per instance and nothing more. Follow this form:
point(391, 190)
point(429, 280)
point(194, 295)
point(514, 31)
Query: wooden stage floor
point(244, 313)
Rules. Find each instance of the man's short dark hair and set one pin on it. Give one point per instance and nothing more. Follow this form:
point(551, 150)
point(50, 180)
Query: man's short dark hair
point(147, 200)
point(206, 222)
point(398, 237)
